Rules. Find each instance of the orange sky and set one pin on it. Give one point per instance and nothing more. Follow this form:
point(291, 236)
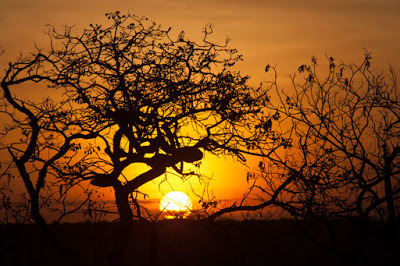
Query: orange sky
point(283, 33)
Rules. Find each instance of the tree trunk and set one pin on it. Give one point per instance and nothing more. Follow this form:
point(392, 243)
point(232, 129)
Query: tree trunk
point(121, 240)
point(124, 209)
point(388, 185)
point(119, 251)
point(35, 212)
point(389, 199)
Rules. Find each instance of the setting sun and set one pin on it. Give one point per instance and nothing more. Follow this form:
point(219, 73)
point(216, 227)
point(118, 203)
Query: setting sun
point(176, 204)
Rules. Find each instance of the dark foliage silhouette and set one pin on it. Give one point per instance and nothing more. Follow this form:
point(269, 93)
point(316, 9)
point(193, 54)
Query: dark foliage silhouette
point(128, 93)
point(346, 149)
point(131, 94)
point(341, 159)
point(39, 138)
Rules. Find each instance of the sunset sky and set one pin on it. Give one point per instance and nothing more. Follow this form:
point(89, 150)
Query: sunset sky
point(282, 33)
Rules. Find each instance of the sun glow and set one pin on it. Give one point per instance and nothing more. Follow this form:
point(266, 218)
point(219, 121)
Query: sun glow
point(176, 204)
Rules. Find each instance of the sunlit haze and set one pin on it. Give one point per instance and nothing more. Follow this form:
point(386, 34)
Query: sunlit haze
point(281, 33)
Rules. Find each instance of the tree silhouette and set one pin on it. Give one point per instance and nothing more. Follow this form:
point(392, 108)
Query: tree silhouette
point(38, 145)
point(139, 96)
point(347, 129)
point(343, 150)
point(41, 143)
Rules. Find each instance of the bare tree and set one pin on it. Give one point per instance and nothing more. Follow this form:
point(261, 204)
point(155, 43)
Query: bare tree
point(347, 130)
point(343, 150)
point(40, 139)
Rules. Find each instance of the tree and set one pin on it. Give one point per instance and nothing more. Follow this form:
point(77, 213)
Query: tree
point(39, 138)
point(139, 96)
point(343, 150)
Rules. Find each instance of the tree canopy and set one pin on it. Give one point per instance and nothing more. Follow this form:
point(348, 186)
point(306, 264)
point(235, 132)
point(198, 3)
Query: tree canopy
point(344, 152)
point(137, 95)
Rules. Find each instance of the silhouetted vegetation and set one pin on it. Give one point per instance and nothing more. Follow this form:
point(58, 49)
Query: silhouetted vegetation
point(124, 93)
point(129, 93)
point(342, 155)
point(341, 161)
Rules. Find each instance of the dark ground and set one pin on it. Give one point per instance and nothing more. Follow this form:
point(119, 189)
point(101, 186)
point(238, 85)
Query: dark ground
point(180, 242)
